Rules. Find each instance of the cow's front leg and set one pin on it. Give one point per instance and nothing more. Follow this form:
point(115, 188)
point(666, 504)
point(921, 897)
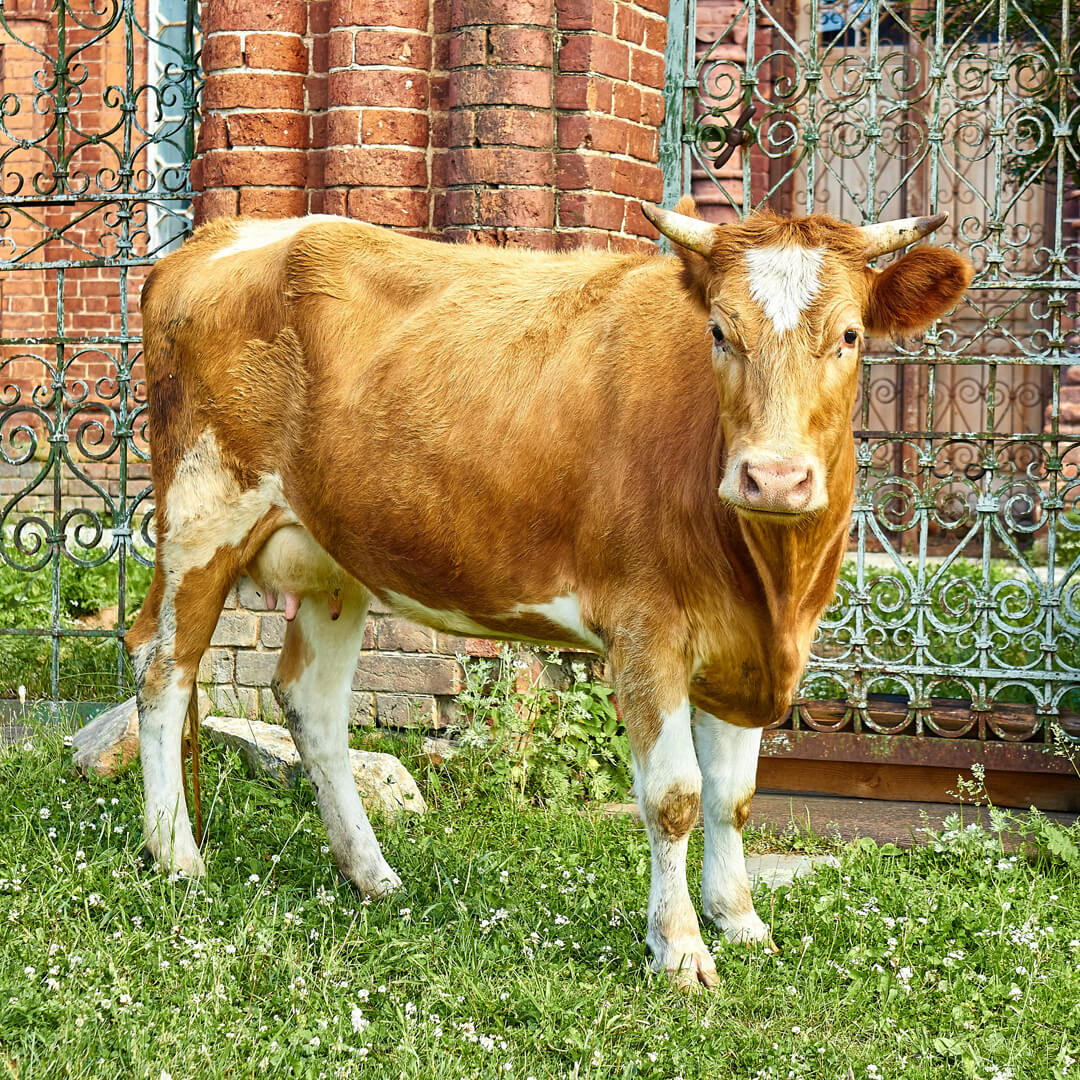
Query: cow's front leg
point(668, 786)
point(728, 757)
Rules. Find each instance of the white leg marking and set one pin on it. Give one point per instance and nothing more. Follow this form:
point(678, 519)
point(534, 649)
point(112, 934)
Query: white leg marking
point(728, 757)
point(208, 510)
point(783, 280)
point(167, 828)
point(251, 235)
point(316, 706)
point(668, 785)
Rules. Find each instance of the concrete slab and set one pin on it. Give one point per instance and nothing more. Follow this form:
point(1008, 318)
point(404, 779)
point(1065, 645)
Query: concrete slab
point(777, 870)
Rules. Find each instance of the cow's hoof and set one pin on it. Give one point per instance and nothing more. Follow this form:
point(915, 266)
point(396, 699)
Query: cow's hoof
point(747, 930)
point(375, 881)
point(178, 861)
point(690, 969)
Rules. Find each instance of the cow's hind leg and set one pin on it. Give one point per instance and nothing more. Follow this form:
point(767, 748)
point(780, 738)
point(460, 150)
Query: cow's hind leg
point(312, 683)
point(166, 643)
point(728, 757)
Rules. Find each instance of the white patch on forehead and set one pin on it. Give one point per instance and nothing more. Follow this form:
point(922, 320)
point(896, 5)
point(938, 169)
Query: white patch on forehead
point(783, 280)
point(252, 235)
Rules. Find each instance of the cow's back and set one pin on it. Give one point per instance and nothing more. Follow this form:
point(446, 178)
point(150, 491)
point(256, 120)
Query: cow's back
point(447, 420)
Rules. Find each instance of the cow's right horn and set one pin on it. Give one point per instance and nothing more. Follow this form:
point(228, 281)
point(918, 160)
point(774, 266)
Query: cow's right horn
point(888, 236)
point(687, 232)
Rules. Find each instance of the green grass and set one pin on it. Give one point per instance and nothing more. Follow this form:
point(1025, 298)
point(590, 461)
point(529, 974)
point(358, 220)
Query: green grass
point(88, 668)
point(514, 949)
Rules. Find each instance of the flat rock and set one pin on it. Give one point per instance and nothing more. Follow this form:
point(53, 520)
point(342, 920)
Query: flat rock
point(111, 740)
point(779, 870)
point(383, 782)
point(437, 750)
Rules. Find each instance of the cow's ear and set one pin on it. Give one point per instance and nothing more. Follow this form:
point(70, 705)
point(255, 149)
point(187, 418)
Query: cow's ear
point(696, 271)
point(909, 294)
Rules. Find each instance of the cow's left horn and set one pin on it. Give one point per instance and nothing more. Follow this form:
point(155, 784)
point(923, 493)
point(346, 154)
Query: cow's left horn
point(687, 232)
point(887, 236)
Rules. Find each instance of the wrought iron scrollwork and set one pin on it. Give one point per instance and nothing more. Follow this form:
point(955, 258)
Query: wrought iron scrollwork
point(98, 110)
point(964, 576)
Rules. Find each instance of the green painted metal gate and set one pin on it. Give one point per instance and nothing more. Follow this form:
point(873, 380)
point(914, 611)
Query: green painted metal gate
point(98, 106)
point(957, 619)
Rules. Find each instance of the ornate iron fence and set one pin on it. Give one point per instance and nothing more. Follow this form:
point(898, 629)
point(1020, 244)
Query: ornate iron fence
point(958, 614)
point(98, 108)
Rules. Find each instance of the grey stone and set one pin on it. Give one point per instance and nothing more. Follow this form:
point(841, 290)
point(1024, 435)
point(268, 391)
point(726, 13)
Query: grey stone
point(272, 631)
point(361, 709)
point(778, 870)
point(236, 628)
point(438, 751)
point(406, 711)
point(383, 782)
point(216, 666)
point(106, 744)
point(269, 709)
point(255, 668)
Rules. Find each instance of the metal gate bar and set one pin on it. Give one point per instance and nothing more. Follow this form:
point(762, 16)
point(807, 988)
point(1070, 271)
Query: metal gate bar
point(958, 613)
point(98, 107)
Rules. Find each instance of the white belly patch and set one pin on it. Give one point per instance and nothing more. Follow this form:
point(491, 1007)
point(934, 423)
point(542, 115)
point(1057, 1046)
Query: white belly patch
point(562, 611)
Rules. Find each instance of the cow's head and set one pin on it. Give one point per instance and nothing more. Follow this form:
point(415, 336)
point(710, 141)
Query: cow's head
point(790, 303)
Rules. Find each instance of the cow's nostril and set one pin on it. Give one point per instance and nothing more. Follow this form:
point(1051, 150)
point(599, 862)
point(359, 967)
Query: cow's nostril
point(750, 487)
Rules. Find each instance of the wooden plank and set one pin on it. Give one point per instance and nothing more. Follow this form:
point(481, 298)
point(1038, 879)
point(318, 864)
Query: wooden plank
point(886, 821)
point(1000, 756)
point(877, 780)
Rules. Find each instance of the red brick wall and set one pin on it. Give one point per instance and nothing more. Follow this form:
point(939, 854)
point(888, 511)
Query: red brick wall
point(531, 122)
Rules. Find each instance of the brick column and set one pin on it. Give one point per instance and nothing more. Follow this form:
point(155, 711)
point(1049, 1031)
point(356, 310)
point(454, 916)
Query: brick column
point(379, 62)
point(500, 161)
point(254, 128)
point(609, 96)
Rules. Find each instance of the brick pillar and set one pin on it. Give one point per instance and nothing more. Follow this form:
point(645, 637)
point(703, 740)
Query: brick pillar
point(254, 126)
point(609, 97)
point(500, 161)
point(377, 121)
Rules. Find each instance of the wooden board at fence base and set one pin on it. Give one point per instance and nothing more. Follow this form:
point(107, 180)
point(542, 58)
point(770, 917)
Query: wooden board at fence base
point(916, 783)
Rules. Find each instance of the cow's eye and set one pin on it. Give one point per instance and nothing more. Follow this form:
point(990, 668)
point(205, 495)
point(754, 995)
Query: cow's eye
point(718, 335)
point(851, 336)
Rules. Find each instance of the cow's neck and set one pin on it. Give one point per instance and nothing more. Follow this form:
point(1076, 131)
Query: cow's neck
point(797, 565)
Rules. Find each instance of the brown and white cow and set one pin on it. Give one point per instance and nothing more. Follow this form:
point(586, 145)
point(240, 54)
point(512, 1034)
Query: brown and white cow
point(647, 456)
